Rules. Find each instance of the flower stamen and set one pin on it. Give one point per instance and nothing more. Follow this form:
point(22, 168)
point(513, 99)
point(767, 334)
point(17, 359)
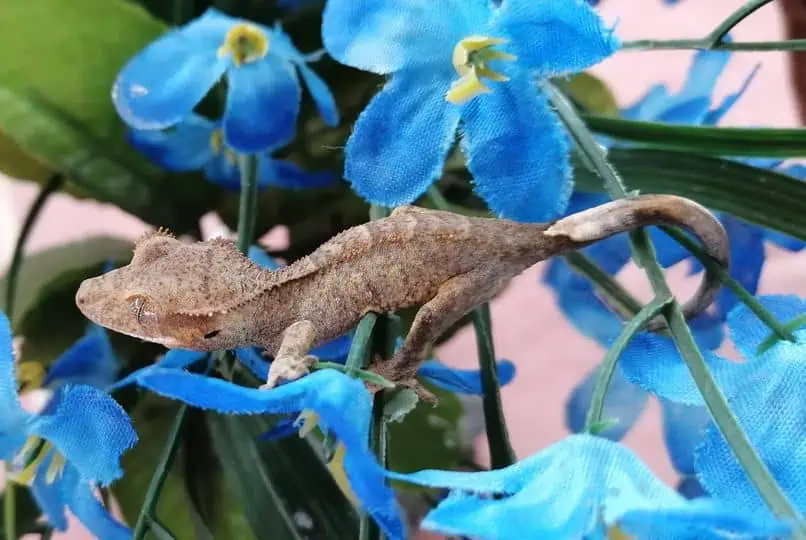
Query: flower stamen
point(471, 59)
point(246, 43)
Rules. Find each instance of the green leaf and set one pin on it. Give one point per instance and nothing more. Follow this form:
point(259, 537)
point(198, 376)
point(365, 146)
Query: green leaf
point(152, 420)
point(400, 405)
point(56, 113)
point(767, 142)
point(590, 92)
point(428, 437)
point(282, 486)
point(759, 196)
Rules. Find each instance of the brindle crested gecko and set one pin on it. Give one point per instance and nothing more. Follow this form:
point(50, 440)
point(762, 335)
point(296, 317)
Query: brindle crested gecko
point(206, 296)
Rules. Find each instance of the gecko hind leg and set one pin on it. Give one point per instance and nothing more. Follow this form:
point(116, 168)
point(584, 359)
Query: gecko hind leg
point(454, 299)
point(292, 360)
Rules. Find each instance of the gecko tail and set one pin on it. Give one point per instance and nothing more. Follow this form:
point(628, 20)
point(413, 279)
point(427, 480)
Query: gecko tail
point(590, 226)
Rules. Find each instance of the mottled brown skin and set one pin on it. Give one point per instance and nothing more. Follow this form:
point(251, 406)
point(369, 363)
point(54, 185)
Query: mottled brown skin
point(207, 296)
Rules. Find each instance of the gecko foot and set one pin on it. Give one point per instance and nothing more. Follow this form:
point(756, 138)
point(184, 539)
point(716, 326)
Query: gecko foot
point(386, 370)
point(286, 368)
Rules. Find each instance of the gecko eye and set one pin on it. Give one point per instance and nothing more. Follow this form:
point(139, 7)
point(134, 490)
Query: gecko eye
point(139, 305)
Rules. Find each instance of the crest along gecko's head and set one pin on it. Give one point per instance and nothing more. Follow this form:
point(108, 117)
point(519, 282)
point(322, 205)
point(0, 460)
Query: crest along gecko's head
point(174, 293)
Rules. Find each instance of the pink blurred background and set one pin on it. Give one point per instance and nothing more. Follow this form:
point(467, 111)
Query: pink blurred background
point(551, 356)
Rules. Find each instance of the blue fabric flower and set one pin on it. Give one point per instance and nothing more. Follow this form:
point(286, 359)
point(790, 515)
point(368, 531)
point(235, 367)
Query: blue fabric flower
point(91, 360)
point(580, 487)
point(440, 58)
point(342, 403)
point(74, 442)
point(769, 404)
point(161, 85)
point(197, 143)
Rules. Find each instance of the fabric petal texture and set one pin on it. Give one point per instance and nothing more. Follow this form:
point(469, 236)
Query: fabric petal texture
point(574, 488)
point(82, 502)
point(50, 496)
point(749, 332)
point(777, 437)
point(385, 36)
point(624, 404)
point(463, 381)
point(90, 360)
point(263, 101)
point(11, 412)
point(162, 84)
point(517, 152)
point(400, 141)
point(187, 147)
point(683, 427)
point(342, 403)
point(555, 37)
point(89, 428)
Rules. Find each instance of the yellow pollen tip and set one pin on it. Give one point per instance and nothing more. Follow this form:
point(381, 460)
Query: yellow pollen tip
point(246, 43)
point(309, 420)
point(217, 141)
point(471, 58)
point(55, 468)
point(30, 467)
point(30, 375)
point(336, 468)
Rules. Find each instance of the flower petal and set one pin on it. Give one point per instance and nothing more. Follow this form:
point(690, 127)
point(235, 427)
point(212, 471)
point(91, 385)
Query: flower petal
point(690, 488)
point(463, 381)
point(653, 363)
point(748, 332)
point(650, 106)
point(89, 428)
point(186, 148)
point(259, 256)
point(173, 359)
point(706, 67)
point(683, 427)
point(555, 37)
point(335, 350)
point(746, 260)
point(90, 360)
point(322, 96)
point(400, 141)
point(11, 412)
point(223, 171)
point(263, 100)
point(771, 411)
point(162, 84)
point(715, 115)
point(343, 405)
point(284, 174)
point(384, 36)
point(624, 403)
point(49, 496)
point(280, 430)
point(83, 503)
point(517, 152)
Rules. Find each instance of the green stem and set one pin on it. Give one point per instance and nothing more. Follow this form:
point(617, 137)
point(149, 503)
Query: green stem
point(714, 38)
point(247, 209)
point(10, 506)
point(616, 296)
point(733, 19)
point(699, 44)
point(361, 341)
point(735, 287)
point(608, 366)
point(501, 453)
point(644, 254)
point(53, 184)
point(160, 475)
point(379, 438)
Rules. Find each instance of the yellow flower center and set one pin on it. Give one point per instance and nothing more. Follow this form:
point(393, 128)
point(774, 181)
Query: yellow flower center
point(217, 145)
point(246, 43)
point(30, 457)
point(471, 58)
point(29, 376)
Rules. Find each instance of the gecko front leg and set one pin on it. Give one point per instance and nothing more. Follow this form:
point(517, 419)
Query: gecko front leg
point(292, 360)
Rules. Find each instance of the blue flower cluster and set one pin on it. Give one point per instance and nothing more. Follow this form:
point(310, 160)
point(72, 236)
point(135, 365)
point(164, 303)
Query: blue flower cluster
point(576, 297)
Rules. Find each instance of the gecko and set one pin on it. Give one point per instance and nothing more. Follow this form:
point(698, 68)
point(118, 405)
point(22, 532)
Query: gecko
point(207, 296)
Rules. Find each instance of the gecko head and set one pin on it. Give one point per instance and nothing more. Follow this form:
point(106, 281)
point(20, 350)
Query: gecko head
point(146, 298)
